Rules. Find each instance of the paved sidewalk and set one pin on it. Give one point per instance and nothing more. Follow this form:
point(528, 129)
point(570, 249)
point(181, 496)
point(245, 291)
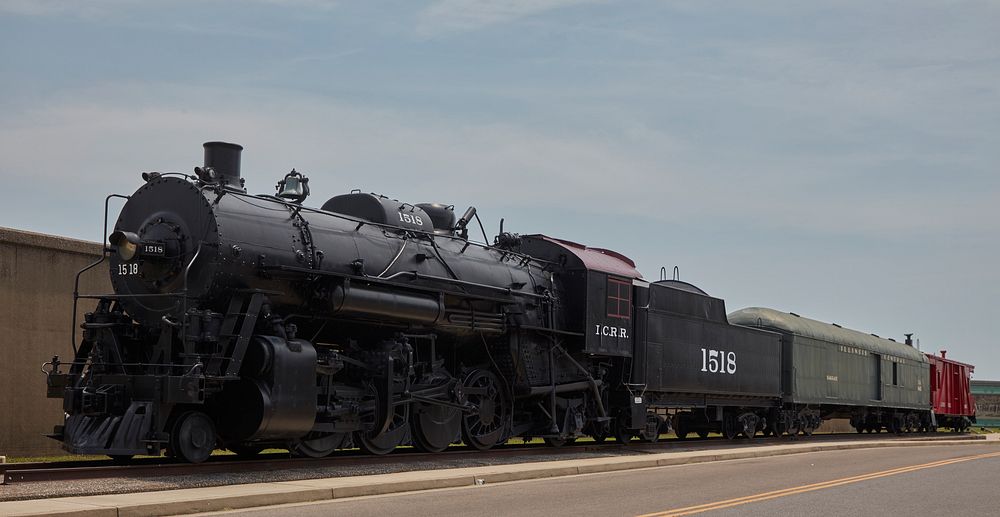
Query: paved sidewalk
point(195, 500)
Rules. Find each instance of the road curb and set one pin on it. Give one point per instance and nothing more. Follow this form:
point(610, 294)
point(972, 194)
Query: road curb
point(232, 497)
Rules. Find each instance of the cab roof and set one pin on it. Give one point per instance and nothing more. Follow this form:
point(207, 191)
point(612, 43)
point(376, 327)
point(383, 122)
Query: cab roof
point(580, 256)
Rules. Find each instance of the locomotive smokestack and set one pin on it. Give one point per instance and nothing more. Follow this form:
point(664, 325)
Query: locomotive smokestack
point(224, 158)
point(909, 339)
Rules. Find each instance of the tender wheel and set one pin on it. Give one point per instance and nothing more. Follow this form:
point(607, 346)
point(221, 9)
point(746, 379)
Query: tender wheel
point(747, 425)
point(318, 446)
point(623, 434)
point(730, 427)
point(435, 427)
point(651, 432)
point(485, 426)
point(703, 434)
point(680, 427)
point(193, 437)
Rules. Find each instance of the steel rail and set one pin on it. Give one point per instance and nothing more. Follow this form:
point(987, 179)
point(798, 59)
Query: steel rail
point(159, 467)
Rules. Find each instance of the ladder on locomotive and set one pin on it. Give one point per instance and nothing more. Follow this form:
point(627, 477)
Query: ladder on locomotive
point(242, 313)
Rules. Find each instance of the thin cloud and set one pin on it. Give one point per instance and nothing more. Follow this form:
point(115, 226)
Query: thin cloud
point(617, 178)
point(102, 8)
point(455, 16)
point(83, 9)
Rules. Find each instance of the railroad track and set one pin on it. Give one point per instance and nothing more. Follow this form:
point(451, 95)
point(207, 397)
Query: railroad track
point(159, 467)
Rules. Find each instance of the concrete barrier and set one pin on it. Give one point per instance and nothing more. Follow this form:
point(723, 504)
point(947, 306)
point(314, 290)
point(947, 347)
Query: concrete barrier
point(36, 301)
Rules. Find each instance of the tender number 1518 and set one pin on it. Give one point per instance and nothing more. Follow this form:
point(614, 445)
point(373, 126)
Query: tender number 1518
point(718, 361)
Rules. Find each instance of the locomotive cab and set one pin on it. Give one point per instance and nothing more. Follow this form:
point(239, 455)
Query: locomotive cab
point(598, 294)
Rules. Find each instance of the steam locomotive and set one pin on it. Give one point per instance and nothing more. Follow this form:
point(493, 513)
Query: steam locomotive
point(244, 322)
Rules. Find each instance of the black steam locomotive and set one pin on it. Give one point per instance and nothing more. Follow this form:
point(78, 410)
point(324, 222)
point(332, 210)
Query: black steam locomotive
point(244, 321)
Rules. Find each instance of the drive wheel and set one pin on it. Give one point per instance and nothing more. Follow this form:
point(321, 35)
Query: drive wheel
point(193, 437)
point(435, 427)
point(316, 446)
point(484, 426)
point(386, 442)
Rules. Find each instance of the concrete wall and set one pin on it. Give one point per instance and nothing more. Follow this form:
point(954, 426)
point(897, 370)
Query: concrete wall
point(36, 300)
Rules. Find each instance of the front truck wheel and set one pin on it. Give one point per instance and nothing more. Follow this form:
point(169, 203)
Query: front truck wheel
point(193, 437)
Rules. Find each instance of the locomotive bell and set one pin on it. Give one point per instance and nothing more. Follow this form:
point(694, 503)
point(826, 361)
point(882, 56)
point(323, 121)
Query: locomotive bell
point(293, 187)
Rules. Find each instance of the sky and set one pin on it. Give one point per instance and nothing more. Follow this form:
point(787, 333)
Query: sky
point(834, 159)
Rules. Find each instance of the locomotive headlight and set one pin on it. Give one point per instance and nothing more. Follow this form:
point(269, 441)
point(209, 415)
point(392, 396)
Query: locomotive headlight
point(126, 244)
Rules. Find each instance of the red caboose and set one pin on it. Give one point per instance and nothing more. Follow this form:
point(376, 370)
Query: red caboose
point(951, 396)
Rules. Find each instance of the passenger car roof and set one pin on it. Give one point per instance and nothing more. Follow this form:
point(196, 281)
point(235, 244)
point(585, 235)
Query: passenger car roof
point(771, 319)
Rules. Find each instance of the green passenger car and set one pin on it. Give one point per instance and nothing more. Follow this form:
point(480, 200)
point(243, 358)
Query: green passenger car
point(843, 373)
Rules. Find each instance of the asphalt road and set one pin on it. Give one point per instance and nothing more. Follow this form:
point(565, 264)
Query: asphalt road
point(911, 481)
